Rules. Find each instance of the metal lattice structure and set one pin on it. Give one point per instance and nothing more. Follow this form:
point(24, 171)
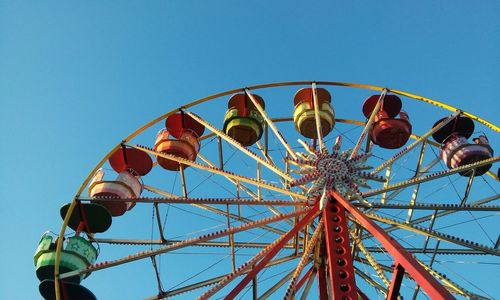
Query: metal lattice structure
point(316, 197)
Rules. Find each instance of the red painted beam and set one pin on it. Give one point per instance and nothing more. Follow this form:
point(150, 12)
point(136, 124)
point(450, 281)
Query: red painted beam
point(338, 250)
point(397, 278)
point(323, 290)
point(427, 282)
point(306, 220)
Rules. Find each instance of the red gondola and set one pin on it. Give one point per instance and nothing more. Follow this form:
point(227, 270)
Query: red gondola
point(131, 159)
point(388, 131)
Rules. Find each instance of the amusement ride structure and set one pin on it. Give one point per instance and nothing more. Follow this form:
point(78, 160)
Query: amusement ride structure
point(356, 198)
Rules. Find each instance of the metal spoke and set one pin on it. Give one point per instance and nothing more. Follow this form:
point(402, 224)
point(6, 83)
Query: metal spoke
point(369, 123)
point(416, 142)
point(291, 289)
point(402, 258)
point(370, 259)
point(467, 188)
point(309, 284)
point(313, 213)
point(157, 274)
point(436, 248)
point(441, 251)
point(421, 171)
point(241, 269)
point(218, 171)
point(183, 244)
point(445, 212)
point(271, 125)
point(434, 206)
point(211, 244)
point(243, 187)
point(212, 209)
point(433, 176)
point(212, 281)
point(450, 285)
point(413, 199)
point(240, 147)
point(276, 286)
point(370, 280)
point(182, 200)
point(319, 131)
point(436, 234)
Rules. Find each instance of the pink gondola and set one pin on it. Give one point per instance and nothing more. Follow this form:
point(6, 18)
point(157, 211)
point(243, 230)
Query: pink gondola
point(130, 164)
point(126, 185)
point(456, 150)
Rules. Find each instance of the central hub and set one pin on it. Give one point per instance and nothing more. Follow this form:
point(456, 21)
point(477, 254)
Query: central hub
point(330, 167)
point(339, 170)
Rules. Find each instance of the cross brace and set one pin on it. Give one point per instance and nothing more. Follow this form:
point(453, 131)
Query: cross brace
point(402, 259)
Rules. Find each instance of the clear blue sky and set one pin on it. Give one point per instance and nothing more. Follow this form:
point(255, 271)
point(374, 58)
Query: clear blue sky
point(76, 77)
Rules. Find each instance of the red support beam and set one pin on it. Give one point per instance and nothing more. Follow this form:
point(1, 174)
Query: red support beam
point(338, 252)
point(429, 284)
point(397, 278)
point(279, 245)
point(323, 290)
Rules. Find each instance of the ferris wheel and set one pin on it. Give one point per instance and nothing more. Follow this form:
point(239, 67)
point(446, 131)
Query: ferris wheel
point(292, 190)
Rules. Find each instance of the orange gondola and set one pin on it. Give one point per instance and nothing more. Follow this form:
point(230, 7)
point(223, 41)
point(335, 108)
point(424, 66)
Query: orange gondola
point(186, 132)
